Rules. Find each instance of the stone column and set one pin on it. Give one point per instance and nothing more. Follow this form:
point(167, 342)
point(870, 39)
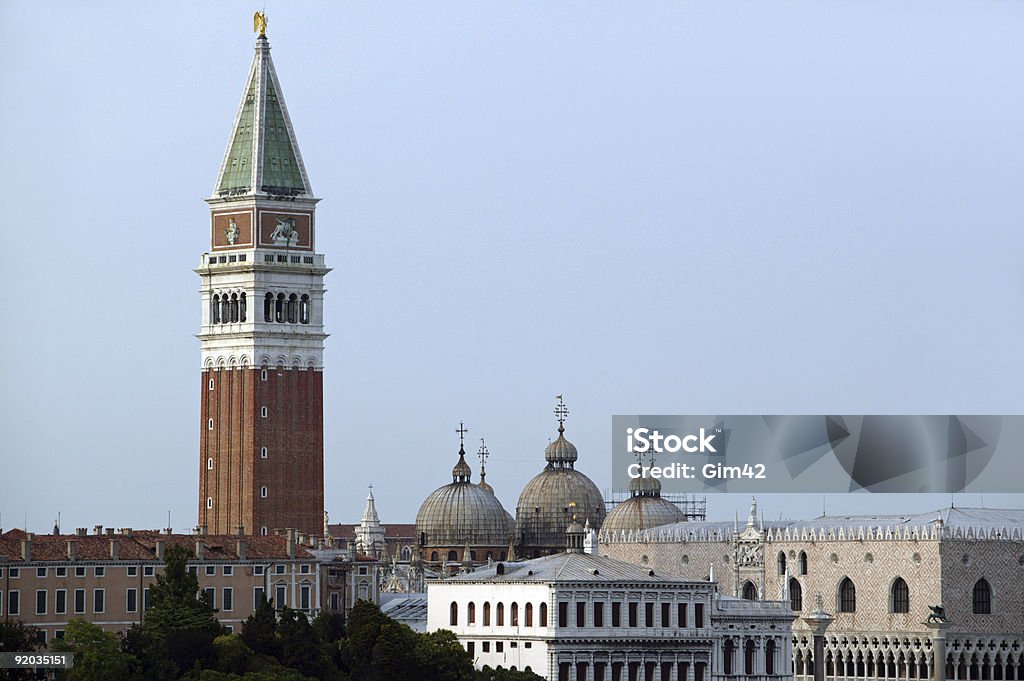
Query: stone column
point(818, 621)
point(938, 630)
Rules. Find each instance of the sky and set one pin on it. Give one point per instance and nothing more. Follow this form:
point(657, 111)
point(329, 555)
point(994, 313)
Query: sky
point(662, 207)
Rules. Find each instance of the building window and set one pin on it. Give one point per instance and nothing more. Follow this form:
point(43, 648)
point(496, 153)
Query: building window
point(666, 614)
point(41, 602)
point(100, 571)
point(280, 594)
point(263, 452)
point(263, 412)
point(471, 649)
point(749, 591)
point(79, 601)
point(41, 572)
point(211, 596)
point(803, 563)
point(616, 614)
point(698, 615)
point(79, 572)
point(209, 424)
point(499, 647)
point(215, 309)
point(305, 569)
point(148, 571)
point(14, 573)
point(681, 614)
point(728, 653)
point(279, 568)
point(499, 618)
point(782, 562)
point(279, 307)
point(514, 615)
point(147, 603)
point(263, 494)
point(263, 373)
point(487, 614)
point(229, 570)
point(648, 614)
point(258, 595)
point(748, 658)
point(131, 600)
point(453, 556)
point(257, 570)
point(227, 601)
point(982, 600)
point(132, 570)
point(847, 596)
point(263, 530)
point(453, 614)
point(433, 556)
point(529, 614)
point(13, 603)
point(563, 615)
point(268, 304)
point(61, 572)
point(769, 658)
point(305, 592)
point(633, 608)
point(486, 646)
point(542, 616)
point(304, 309)
point(97, 600)
point(209, 466)
point(211, 384)
point(796, 595)
point(60, 601)
point(211, 570)
point(293, 309)
point(900, 596)
point(471, 613)
point(209, 502)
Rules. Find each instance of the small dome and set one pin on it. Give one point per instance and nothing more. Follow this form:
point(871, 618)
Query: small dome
point(645, 486)
point(642, 513)
point(462, 472)
point(561, 450)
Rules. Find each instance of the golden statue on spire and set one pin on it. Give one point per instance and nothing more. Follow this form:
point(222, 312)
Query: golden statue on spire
point(259, 24)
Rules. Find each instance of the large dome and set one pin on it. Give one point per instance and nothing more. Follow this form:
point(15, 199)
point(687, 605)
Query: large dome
point(551, 499)
point(644, 509)
point(463, 514)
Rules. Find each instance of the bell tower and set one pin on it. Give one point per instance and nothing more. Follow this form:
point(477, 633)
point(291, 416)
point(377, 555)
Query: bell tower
point(261, 453)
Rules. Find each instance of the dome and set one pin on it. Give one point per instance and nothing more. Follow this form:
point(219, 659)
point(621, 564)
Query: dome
point(561, 450)
point(644, 509)
point(463, 513)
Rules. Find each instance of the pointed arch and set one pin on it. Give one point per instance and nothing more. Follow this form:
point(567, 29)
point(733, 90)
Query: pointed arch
point(982, 597)
point(899, 596)
point(796, 595)
point(749, 591)
point(847, 596)
point(802, 563)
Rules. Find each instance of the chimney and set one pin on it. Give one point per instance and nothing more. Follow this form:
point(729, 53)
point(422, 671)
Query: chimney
point(115, 550)
point(110, 531)
point(240, 549)
point(26, 547)
point(200, 549)
point(159, 548)
point(81, 532)
point(72, 549)
point(97, 529)
point(240, 530)
point(167, 530)
point(291, 543)
point(202, 530)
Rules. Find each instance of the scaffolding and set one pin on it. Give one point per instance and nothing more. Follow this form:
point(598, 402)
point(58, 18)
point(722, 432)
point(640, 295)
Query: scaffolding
point(693, 508)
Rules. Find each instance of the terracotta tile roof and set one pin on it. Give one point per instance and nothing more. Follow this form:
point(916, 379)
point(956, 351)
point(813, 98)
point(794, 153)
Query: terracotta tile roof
point(141, 546)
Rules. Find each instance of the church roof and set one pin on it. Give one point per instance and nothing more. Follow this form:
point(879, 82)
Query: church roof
point(263, 156)
point(567, 567)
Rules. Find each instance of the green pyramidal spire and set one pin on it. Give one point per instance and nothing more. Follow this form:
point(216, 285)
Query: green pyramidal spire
point(262, 157)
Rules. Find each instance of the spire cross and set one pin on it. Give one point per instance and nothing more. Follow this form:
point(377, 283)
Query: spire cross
point(561, 411)
point(462, 430)
point(483, 453)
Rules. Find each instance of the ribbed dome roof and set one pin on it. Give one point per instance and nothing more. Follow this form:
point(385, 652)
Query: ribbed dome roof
point(561, 450)
point(463, 513)
point(641, 513)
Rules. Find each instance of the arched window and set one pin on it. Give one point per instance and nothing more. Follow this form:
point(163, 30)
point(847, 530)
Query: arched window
point(471, 613)
point(514, 615)
point(782, 562)
point(499, 618)
point(406, 553)
point(542, 615)
point(982, 597)
point(847, 596)
point(225, 309)
point(748, 658)
point(796, 595)
point(453, 556)
point(268, 308)
point(215, 310)
point(769, 658)
point(433, 556)
point(293, 309)
point(304, 309)
point(453, 614)
point(803, 563)
point(472, 555)
point(529, 614)
point(728, 655)
point(279, 308)
point(241, 308)
point(749, 591)
point(900, 601)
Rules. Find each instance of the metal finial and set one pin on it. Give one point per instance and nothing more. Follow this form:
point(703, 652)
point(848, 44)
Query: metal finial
point(259, 23)
point(462, 430)
point(483, 453)
point(561, 411)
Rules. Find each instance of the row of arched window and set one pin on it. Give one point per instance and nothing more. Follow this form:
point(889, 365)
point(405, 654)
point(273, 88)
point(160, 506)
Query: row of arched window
point(749, 655)
point(899, 596)
point(499, 614)
point(226, 308)
point(292, 309)
point(801, 563)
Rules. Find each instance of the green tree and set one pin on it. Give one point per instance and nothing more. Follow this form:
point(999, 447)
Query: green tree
point(301, 648)
point(259, 631)
point(440, 657)
point(231, 653)
point(179, 629)
point(502, 674)
point(377, 647)
point(17, 637)
point(98, 654)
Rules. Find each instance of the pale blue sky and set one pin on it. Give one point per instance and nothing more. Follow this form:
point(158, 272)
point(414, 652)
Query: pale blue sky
point(660, 207)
